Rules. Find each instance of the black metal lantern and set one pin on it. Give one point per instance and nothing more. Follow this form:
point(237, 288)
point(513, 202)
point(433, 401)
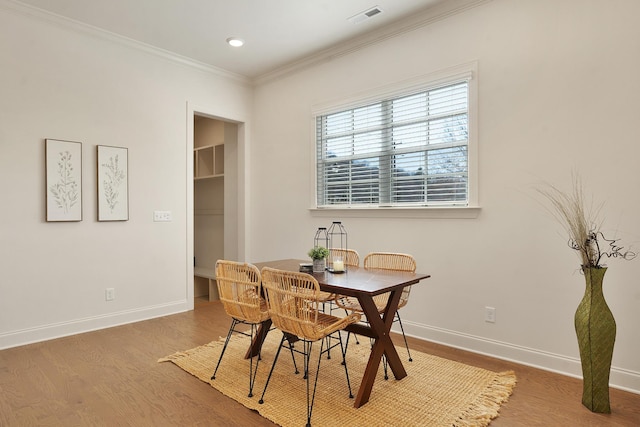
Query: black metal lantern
point(321, 238)
point(337, 246)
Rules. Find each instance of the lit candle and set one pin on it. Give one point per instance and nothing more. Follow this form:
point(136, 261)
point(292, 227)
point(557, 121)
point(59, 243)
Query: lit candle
point(338, 265)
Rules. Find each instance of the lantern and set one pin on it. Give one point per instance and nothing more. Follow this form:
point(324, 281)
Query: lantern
point(337, 236)
point(321, 238)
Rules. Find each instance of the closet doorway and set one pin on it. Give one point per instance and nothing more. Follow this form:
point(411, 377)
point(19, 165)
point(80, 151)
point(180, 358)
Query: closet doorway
point(215, 200)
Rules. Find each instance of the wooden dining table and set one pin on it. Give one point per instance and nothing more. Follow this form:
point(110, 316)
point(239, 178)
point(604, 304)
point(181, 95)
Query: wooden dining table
point(364, 284)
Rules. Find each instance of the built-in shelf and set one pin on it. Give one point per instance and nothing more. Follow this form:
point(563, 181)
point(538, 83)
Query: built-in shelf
point(204, 280)
point(210, 137)
point(208, 161)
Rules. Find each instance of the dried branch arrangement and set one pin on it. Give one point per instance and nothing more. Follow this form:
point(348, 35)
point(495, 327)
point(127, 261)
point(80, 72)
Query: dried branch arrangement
point(583, 223)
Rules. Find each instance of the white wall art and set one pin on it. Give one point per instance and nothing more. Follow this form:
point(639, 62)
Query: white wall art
point(63, 165)
point(113, 183)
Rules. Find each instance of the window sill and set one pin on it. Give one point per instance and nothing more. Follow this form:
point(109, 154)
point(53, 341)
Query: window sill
point(435, 212)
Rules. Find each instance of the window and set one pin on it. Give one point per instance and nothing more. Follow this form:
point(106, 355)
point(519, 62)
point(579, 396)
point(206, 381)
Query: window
point(409, 150)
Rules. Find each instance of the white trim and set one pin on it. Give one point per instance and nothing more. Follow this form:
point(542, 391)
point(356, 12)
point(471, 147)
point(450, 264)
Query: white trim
point(243, 180)
point(88, 324)
point(622, 379)
point(432, 212)
point(467, 71)
point(83, 28)
point(434, 14)
point(440, 11)
point(189, 228)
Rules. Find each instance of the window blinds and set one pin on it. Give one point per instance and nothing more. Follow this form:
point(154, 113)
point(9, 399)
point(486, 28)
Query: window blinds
point(404, 151)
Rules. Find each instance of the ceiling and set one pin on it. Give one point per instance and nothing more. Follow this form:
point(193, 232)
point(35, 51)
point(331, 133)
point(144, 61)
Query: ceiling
point(276, 32)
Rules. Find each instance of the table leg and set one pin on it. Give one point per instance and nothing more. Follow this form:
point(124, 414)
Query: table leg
point(256, 344)
point(381, 327)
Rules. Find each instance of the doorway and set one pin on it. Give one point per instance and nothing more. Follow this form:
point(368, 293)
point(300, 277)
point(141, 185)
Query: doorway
point(215, 200)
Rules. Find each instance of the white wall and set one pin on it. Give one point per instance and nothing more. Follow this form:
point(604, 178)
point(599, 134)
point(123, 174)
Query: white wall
point(64, 81)
point(557, 93)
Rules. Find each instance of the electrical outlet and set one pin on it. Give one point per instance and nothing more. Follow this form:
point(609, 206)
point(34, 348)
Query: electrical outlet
point(490, 314)
point(162, 216)
point(109, 294)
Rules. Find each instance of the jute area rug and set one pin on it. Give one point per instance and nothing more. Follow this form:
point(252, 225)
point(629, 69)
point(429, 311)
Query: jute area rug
point(436, 391)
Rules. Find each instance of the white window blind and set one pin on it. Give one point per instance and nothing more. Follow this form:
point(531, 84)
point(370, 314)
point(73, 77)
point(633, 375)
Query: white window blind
point(411, 150)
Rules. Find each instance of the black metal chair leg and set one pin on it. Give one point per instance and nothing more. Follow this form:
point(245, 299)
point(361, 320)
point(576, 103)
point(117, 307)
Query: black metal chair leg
point(295, 365)
point(347, 313)
point(307, 356)
point(234, 322)
point(346, 345)
point(261, 401)
point(344, 362)
point(404, 336)
point(328, 338)
point(252, 372)
point(305, 359)
point(384, 365)
point(306, 352)
point(311, 395)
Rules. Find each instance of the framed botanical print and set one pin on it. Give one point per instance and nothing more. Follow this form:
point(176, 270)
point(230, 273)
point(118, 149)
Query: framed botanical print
point(113, 183)
point(63, 171)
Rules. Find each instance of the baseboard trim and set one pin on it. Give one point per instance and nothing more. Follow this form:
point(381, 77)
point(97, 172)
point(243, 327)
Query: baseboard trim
point(620, 378)
point(88, 324)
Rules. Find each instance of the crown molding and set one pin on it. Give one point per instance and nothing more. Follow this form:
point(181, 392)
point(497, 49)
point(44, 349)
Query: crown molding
point(402, 26)
point(86, 29)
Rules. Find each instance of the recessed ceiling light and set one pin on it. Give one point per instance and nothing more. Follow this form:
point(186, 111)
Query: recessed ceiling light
point(235, 41)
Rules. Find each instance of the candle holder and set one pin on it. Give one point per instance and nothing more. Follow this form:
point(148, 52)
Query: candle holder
point(337, 236)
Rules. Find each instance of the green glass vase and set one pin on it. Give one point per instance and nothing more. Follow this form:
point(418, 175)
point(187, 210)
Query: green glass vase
point(596, 331)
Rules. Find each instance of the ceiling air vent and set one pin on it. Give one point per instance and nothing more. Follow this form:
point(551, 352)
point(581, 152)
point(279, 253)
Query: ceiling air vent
point(363, 16)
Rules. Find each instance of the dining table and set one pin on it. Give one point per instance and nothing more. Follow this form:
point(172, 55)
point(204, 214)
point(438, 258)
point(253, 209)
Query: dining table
point(364, 284)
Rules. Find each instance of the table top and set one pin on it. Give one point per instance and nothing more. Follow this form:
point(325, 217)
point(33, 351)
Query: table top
point(354, 281)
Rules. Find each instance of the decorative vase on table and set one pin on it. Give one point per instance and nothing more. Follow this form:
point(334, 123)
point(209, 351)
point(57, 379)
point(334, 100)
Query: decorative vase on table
point(319, 256)
point(319, 265)
point(596, 331)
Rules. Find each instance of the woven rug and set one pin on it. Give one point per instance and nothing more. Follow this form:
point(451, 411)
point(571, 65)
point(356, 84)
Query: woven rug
point(435, 392)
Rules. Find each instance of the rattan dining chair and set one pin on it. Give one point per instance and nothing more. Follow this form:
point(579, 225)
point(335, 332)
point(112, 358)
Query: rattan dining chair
point(350, 257)
point(293, 302)
point(384, 261)
point(239, 286)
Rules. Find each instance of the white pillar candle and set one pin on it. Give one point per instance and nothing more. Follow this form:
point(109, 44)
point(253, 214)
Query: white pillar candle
point(338, 265)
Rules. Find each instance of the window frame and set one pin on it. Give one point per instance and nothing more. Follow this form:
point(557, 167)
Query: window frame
point(465, 72)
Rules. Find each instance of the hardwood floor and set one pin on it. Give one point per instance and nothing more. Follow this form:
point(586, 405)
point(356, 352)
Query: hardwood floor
point(111, 378)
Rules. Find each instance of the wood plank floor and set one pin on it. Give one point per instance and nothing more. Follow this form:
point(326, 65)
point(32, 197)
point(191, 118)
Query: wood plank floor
point(111, 378)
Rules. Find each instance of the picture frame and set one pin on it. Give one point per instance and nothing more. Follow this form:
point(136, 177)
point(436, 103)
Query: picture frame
point(113, 183)
point(63, 180)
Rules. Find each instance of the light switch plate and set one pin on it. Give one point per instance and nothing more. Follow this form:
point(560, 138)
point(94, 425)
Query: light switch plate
point(162, 216)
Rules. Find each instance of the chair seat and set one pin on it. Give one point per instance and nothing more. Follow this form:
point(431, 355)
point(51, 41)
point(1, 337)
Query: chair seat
point(326, 296)
point(328, 324)
point(311, 330)
point(352, 303)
